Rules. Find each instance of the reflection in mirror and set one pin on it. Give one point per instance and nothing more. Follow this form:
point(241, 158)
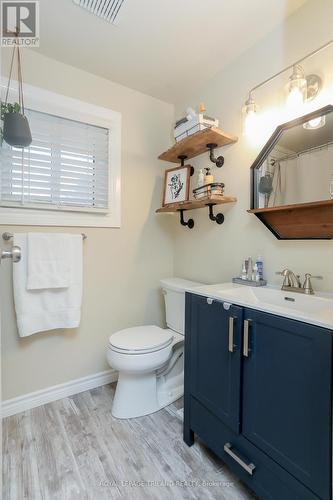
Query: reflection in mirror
point(299, 168)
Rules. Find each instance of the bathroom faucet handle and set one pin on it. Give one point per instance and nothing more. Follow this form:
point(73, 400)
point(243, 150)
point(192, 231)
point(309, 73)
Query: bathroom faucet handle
point(309, 275)
point(284, 272)
point(307, 286)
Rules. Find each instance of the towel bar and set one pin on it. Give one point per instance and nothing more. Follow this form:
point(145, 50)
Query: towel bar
point(7, 236)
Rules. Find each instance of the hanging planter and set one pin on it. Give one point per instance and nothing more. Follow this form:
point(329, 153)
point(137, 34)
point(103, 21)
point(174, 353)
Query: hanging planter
point(16, 130)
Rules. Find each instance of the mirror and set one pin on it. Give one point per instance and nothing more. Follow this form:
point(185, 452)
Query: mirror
point(296, 164)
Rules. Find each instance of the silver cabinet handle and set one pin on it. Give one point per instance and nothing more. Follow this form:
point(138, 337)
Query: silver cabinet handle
point(231, 334)
point(248, 467)
point(246, 338)
point(210, 301)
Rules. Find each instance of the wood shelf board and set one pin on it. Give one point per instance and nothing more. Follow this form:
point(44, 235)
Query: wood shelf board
point(194, 204)
point(196, 144)
point(312, 204)
point(302, 221)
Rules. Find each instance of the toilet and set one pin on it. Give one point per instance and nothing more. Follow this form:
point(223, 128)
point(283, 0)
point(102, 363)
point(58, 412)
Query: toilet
point(150, 359)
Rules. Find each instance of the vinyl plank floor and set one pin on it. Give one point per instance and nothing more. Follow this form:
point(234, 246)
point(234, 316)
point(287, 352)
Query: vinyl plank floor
point(73, 449)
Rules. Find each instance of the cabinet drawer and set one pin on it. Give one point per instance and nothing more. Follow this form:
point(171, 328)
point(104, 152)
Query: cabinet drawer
point(268, 479)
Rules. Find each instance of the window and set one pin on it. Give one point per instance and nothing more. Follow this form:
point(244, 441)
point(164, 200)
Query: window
point(65, 167)
point(70, 174)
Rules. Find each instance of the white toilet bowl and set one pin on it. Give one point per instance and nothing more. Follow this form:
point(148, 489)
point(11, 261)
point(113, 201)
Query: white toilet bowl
point(150, 359)
point(143, 357)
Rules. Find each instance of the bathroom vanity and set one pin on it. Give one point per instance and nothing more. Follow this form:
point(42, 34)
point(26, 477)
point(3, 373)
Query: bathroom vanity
point(258, 386)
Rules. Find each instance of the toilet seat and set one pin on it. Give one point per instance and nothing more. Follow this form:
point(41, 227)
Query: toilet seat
point(140, 340)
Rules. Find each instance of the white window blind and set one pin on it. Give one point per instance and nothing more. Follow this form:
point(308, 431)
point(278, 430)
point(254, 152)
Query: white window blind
point(66, 167)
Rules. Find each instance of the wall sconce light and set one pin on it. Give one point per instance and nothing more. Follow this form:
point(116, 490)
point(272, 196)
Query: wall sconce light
point(313, 87)
point(301, 88)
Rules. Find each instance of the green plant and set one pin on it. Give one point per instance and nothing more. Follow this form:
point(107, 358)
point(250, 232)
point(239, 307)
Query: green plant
point(7, 107)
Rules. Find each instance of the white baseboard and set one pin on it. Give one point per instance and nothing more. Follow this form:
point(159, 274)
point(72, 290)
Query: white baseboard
point(38, 398)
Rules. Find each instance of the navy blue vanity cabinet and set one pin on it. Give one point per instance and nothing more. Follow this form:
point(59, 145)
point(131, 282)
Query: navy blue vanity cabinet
point(287, 388)
point(215, 357)
point(266, 407)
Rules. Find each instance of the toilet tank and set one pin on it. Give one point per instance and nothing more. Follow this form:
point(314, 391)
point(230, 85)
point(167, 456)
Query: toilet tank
point(174, 297)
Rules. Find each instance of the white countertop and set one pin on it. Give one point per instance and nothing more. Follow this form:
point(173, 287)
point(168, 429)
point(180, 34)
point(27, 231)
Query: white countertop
point(314, 309)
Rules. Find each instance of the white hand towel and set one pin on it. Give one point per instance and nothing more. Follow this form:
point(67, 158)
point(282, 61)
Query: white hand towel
point(48, 309)
point(48, 264)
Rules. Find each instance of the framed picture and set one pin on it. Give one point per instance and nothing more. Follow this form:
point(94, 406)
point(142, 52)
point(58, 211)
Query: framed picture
point(176, 185)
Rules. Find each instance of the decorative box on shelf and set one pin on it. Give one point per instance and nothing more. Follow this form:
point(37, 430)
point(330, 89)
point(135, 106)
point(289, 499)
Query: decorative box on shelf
point(240, 281)
point(184, 128)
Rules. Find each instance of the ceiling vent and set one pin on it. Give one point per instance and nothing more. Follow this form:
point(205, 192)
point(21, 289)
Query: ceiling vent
point(105, 9)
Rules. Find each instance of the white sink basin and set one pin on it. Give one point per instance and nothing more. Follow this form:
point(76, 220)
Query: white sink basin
point(313, 309)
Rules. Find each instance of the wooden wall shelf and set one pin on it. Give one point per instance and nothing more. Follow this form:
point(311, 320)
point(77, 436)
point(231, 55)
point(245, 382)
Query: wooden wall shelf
point(194, 204)
point(302, 221)
point(196, 144)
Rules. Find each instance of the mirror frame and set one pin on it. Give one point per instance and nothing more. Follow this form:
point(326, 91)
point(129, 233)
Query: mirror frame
point(270, 144)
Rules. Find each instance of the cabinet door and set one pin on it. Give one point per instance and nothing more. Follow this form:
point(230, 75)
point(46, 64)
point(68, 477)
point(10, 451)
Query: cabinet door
point(213, 334)
point(287, 396)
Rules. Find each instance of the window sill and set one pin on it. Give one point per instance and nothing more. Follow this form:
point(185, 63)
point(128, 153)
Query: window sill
point(27, 217)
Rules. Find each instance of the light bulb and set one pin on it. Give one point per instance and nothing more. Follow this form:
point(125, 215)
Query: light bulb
point(295, 98)
point(250, 115)
point(297, 88)
point(250, 122)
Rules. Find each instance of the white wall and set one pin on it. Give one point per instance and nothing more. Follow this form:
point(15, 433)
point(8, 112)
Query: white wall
point(122, 267)
point(214, 253)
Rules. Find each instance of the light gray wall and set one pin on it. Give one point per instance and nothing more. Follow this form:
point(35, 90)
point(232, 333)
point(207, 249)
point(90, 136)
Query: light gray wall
point(122, 267)
point(214, 253)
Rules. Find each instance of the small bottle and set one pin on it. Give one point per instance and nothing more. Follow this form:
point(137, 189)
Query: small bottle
point(260, 267)
point(202, 107)
point(244, 270)
point(250, 269)
point(256, 275)
point(209, 177)
point(246, 265)
point(201, 178)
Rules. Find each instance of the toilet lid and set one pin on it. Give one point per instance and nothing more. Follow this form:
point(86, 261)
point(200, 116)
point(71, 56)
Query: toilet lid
point(141, 338)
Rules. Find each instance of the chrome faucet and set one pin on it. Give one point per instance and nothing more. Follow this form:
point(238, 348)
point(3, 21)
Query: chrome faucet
point(290, 280)
point(292, 283)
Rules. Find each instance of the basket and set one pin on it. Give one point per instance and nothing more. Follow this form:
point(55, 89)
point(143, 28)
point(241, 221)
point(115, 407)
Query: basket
point(208, 190)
